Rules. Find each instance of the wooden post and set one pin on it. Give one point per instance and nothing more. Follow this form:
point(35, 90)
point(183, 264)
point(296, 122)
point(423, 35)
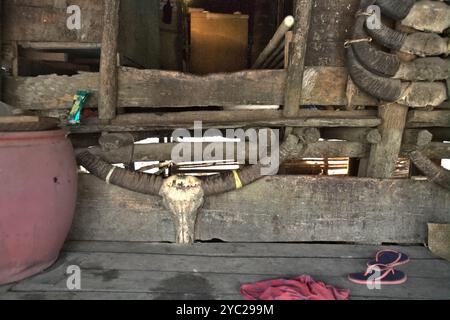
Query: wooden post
point(287, 44)
point(297, 53)
point(384, 155)
point(108, 64)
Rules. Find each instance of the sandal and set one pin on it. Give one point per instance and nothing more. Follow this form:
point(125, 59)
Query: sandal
point(389, 258)
point(387, 276)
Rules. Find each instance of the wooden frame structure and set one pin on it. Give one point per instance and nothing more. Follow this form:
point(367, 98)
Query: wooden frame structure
point(379, 136)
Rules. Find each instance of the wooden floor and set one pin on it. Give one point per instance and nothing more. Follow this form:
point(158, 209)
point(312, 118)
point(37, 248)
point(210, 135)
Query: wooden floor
point(122, 270)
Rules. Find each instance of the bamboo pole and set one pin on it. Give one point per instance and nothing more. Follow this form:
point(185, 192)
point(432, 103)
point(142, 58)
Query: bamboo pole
point(274, 42)
point(108, 94)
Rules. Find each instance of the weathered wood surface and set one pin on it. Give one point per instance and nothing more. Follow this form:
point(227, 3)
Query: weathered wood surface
point(122, 270)
point(41, 20)
point(231, 119)
point(384, 155)
point(424, 119)
point(323, 209)
point(331, 25)
point(154, 88)
point(297, 50)
point(108, 91)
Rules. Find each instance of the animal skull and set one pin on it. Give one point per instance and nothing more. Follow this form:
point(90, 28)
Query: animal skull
point(183, 196)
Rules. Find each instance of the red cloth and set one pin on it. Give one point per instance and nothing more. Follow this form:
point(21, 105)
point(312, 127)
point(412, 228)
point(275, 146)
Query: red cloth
point(302, 288)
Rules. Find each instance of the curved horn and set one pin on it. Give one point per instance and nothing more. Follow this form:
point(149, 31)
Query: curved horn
point(418, 43)
point(134, 181)
point(234, 180)
point(376, 61)
point(434, 173)
point(151, 184)
point(389, 65)
point(386, 89)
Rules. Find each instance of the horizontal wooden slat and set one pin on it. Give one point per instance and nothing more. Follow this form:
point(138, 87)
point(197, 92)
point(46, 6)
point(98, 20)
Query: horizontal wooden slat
point(292, 250)
point(43, 21)
point(424, 119)
point(231, 119)
point(241, 265)
point(155, 88)
point(323, 209)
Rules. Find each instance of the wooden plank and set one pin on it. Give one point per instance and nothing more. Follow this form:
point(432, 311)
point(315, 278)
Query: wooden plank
point(274, 250)
point(34, 55)
point(129, 274)
point(18, 119)
point(155, 88)
point(425, 268)
point(230, 119)
point(60, 45)
point(416, 289)
point(45, 22)
point(423, 119)
point(109, 296)
point(294, 83)
point(387, 211)
point(384, 155)
point(108, 93)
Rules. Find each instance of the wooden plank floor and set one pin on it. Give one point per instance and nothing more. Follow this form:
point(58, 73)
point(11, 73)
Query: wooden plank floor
point(120, 270)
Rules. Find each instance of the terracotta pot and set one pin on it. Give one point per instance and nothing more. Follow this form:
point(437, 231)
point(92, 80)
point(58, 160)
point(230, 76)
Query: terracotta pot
point(38, 186)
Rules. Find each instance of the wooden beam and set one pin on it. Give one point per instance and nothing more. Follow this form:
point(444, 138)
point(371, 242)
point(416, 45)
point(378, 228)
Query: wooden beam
point(108, 213)
point(362, 135)
point(156, 88)
point(108, 93)
point(35, 55)
point(294, 82)
point(385, 154)
point(232, 119)
point(424, 119)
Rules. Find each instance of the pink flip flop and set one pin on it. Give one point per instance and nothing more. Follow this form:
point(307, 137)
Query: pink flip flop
point(389, 258)
point(379, 274)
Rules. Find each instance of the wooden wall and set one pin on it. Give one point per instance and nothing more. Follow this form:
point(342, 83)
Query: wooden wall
point(276, 209)
point(44, 21)
point(331, 25)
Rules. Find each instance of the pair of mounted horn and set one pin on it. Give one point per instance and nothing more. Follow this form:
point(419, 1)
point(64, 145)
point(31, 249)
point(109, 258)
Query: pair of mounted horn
point(382, 74)
point(184, 195)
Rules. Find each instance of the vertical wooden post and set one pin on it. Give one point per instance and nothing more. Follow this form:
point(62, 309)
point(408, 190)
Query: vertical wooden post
point(383, 156)
point(296, 66)
point(108, 94)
